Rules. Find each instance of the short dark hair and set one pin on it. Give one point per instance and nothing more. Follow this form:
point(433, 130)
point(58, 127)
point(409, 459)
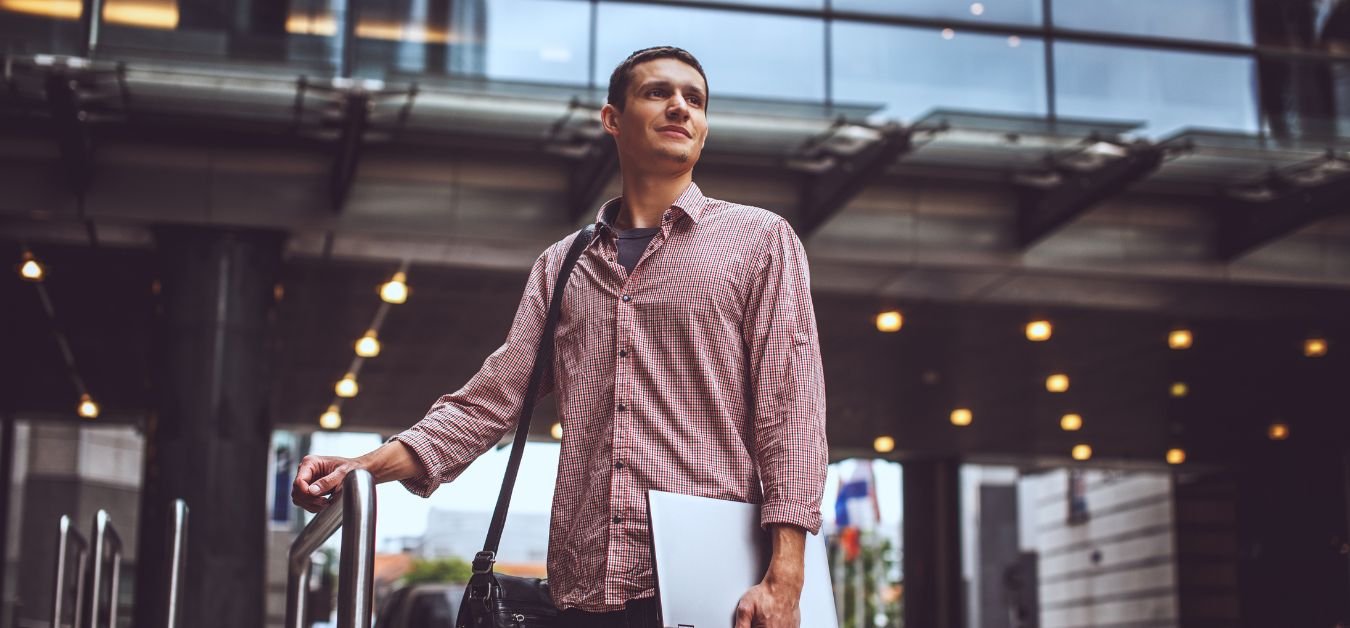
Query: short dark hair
point(623, 74)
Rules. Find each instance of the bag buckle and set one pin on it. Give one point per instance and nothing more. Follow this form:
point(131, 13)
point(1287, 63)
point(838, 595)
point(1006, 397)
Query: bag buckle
point(483, 561)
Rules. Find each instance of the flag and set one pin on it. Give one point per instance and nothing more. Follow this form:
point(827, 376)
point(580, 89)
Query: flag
point(855, 508)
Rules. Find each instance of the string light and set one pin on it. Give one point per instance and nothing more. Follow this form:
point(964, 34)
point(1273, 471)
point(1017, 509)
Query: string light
point(1039, 331)
point(556, 431)
point(88, 409)
point(1180, 339)
point(346, 387)
point(396, 289)
point(1315, 347)
point(1180, 389)
point(331, 419)
point(890, 321)
point(1278, 430)
point(884, 444)
point(1071, 422)
point(962, 417)
point(1057, 383)
point(31, 269)
point(1176, 455)
point(1082, 452)
point(369, 345)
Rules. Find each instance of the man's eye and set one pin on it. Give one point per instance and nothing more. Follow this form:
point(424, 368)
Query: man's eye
point(659, 93)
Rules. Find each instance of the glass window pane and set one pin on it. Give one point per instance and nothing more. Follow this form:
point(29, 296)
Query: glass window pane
point(1166, 90)
point(996, 11)
point(745, 55)
point(545, 41)
point(1210, 20)
point(912, 71)
point(792, 4)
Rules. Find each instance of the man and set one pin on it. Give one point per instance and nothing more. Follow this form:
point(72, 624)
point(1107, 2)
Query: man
point(687, 360)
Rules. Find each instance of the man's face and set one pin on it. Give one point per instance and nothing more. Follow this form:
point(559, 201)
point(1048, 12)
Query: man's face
point(664, 124)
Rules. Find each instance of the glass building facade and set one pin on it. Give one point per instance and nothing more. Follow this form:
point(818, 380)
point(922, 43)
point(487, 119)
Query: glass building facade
point(1246, 66)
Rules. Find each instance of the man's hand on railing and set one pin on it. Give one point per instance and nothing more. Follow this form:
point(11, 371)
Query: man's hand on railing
point(318, 478)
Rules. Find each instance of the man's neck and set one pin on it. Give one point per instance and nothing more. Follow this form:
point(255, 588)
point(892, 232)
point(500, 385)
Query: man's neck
point(647, 197)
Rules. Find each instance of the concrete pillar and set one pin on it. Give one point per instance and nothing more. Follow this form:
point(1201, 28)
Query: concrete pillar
point(207, 438)
point(932, 556)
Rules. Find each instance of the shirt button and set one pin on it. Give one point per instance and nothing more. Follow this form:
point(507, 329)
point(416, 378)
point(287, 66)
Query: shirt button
point(618, 519)
point(622, 407)
point(618, 465)
point(627, 298)
point(623, 353)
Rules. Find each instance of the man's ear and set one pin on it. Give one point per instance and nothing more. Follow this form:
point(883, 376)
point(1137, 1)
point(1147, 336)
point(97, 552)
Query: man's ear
point(609, 119)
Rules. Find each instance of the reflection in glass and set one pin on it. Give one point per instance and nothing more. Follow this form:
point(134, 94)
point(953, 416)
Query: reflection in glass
point(1226, 21)
point(543, 41)
point(1166, 90)
point(748, 55)
point(912, 71)
point(1027, 12)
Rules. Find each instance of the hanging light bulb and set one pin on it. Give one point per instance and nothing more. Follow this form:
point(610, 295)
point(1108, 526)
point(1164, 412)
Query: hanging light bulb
point(1179, 339)
point(962, 417)
point(1071, 422)
point(1315, 347)
point(883, 444)
point(346, 387)
point(556, 431)
point(88, 409)
point(1278, 430)
point(890, 321)
point(368, 346)
point(31, 269)
point(1176, 455)
point(1180, 389)
point(396, 289)
point(1039, 331)
point(1057, 383)
point(330, 420)
point(1082, 452)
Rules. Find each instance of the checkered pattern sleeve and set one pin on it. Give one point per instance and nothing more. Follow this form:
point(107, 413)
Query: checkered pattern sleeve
point(462, 425)
point(788, 383)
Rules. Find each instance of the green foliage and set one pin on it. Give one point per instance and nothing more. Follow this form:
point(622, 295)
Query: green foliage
point(451, 569)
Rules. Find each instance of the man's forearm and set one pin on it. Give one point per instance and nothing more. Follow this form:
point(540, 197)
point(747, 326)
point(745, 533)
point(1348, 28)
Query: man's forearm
point(392, 461)
point(787, 566)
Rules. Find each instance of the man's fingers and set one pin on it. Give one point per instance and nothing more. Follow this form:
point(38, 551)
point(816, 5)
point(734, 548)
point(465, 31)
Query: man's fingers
point(744, 613)
point(328, 482)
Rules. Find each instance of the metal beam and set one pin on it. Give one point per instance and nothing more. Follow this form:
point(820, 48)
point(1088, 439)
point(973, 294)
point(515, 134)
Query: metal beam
point(1245, 226)
point(1075, 184)
point(599, 163)
point(72, 133)
point(355, 118)
point(829, 189)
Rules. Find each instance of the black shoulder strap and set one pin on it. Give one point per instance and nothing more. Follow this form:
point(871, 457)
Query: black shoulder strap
point(483, 561)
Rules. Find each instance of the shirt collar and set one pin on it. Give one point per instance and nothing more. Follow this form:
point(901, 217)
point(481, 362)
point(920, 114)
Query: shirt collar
point(691, 201)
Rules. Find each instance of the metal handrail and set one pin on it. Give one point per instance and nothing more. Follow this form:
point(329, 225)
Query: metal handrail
point(355, 514)
point(107, 549)
point(69, 536)
point(177, 557)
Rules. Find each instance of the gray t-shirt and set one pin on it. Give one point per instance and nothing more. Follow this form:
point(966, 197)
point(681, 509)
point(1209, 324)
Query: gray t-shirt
point(632, 243)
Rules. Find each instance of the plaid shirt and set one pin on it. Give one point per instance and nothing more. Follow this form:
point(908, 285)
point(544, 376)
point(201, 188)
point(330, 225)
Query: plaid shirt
point(698, 373)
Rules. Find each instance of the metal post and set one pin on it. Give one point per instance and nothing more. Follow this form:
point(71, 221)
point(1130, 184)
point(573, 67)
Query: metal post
point(107, 549)
point(91, 21)
point(177, 563)
point(355, 514)
point(68, 537)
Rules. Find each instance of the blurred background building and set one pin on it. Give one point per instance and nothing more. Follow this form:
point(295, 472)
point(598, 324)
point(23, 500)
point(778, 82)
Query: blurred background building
point(1081, 268)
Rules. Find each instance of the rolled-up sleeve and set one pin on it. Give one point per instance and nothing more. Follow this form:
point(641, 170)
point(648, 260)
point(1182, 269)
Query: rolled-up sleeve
point(462, 425)
point(787, 382)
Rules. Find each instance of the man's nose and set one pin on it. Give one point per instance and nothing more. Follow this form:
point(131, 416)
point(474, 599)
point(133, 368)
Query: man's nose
point(678, 109)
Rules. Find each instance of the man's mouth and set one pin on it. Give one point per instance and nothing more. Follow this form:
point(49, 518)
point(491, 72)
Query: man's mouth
point(676, 129)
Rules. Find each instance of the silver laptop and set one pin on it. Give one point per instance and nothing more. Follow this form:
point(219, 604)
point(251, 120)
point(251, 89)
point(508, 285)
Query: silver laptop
point(708, 552)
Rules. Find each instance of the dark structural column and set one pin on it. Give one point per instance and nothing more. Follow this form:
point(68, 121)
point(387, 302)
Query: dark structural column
point(207, 437)
point(932, 549)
